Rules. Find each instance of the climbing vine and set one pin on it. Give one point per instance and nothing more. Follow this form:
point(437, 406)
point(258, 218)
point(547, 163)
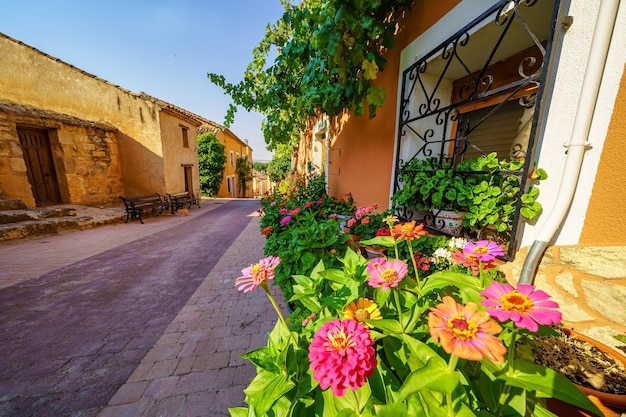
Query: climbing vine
point(326, 58)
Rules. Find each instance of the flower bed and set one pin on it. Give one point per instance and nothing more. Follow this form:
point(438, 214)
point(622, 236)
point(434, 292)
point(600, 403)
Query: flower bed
point(428, 330)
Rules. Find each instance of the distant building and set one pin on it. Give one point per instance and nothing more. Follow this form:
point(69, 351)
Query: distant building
point(234, 148)
point(69, 137)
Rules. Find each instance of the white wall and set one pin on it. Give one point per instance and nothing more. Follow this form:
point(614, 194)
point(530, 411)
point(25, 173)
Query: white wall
point(563, 103)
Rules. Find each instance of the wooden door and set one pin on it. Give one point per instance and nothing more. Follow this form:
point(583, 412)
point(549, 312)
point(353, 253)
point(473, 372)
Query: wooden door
point(188, 180)
point(40, 166)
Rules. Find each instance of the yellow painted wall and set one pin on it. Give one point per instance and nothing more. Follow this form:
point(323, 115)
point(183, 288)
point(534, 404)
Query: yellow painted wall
point(176, 156)
point(605, 223)
point(361, 155)
point(140, 159)
point(238, 147)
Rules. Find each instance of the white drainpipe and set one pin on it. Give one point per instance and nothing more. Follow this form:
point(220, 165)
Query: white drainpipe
point(576, 148)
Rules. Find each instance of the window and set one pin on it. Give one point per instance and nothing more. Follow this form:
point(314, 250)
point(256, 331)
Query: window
point(232, 159)
point(185, 131)
point(477, 92)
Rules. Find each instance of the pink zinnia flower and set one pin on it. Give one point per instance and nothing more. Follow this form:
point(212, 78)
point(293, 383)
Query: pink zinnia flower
point(387, 273)
point(308, 319)
point(308, 204)
point(285, 220)
point(484, 250)
point(283, 212)
point(365, 220)
point(525, 306)
point(351, 222)
point(465, 332)
point(257, 274)
point(374, 264)
point(295, 211)
point(342, 355)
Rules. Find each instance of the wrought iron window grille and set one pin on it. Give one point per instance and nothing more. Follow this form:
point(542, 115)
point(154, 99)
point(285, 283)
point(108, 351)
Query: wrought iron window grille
point(432, 124)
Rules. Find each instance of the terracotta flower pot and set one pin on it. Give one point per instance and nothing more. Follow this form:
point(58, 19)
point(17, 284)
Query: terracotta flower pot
point(612, 405)
point(374, 252)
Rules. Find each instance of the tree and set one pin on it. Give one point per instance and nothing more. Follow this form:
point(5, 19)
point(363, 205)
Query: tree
point(243, 168)
point(211, 163)
point(260, 166)
point(279, 167)
point(328, 54)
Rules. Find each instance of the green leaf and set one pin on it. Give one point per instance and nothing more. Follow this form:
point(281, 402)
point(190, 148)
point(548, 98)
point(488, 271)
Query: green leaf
point(432, 376)
point(388, 325)
point(443, 279)
point(238, 412)
point(533, 377)
point(265, 389)
point(387, 241)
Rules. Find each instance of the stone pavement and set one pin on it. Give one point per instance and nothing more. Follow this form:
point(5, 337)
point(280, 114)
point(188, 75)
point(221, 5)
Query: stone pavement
point(193, 369)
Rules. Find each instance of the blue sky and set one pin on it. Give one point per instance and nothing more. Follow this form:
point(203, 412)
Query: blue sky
point(163, 48)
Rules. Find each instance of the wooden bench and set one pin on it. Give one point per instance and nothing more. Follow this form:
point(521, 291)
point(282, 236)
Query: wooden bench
point(137, 205)
point(181, 200)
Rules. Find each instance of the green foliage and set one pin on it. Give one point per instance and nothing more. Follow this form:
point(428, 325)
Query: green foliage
point(260, 166)
point(415, 375)
point(279, 167)
point(488, 189)
point(243, 168)
point(301, 228)
point(211, 163)
point(327, 57)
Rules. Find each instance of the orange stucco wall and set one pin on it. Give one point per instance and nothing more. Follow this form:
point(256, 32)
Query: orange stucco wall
point(605, 223)
point(361, 156)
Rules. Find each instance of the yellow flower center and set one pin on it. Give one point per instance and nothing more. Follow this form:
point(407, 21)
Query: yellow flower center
point(389, 275)
point(361, 315)
point(481, 250)
point(258, 272)
point(407, 228)
point(339, 340)
point(516, 302)
point(462, 328)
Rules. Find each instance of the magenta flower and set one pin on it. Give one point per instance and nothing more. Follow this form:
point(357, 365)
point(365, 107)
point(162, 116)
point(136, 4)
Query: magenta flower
point(525, 306)
point(282, 212)
point(484, 250)
point(308, 204)
point(386, 273)
point(257, 274)
point(285, 220)
point(342, 355)
point(295, 211)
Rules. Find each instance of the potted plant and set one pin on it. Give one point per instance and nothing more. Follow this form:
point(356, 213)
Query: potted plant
point(597, 370)
point(496, 194)
point(409, 199)
point(442, 189)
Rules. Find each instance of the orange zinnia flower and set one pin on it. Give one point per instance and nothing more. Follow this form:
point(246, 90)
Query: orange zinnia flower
point(408, 230)
point(465, 332)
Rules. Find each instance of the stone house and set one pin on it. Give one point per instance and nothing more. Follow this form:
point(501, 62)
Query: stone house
point(234, 148)
point(544, 80)
point(69, 137)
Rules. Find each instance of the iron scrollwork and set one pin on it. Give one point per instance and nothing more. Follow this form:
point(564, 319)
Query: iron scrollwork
point(431, 122)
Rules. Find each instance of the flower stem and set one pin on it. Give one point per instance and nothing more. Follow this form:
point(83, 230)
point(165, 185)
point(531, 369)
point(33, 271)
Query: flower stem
point(451, 367)
point(417, 278)
point(399, 307)
point(280, 314)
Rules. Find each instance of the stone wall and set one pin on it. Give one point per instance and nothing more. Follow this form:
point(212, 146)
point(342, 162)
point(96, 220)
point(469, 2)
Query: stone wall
point(588, 282)
point(85, 154)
